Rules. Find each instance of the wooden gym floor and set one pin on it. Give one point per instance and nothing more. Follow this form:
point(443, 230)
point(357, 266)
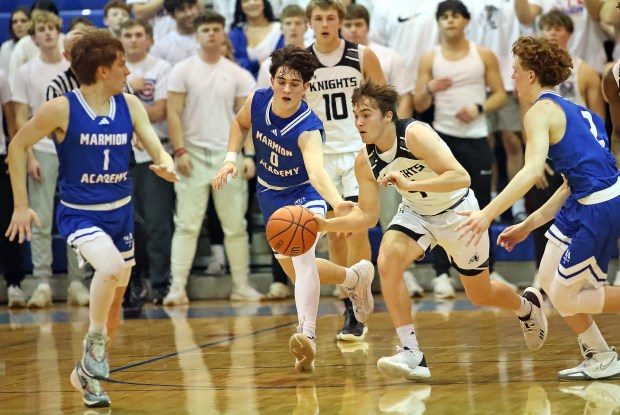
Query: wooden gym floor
point(217, 357)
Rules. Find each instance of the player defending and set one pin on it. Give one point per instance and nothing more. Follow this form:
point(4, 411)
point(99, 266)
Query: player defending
point(411, 156)
point(92, 128)
point(573, 269)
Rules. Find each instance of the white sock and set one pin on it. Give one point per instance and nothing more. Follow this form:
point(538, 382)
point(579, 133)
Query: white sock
point(407, 337)
point(525, 308)
point(519, 206)
point(593, 338)
point(350, 279)
point(307, 291)
point(217, 254)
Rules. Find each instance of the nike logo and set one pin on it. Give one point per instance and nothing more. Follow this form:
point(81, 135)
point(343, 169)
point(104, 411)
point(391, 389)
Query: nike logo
point(404, 19)
point(603, 367)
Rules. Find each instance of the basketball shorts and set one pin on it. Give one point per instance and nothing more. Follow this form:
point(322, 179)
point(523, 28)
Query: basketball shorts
point(81, 225)
point(588, 234)
point(429, 231)
point(341, 169)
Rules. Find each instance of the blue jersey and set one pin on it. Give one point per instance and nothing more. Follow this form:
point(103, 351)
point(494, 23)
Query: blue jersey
point(582, 155)
point(280, 163)
point(94, 156)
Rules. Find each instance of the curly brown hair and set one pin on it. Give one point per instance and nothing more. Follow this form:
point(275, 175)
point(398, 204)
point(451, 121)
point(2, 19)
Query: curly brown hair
point(551, 64)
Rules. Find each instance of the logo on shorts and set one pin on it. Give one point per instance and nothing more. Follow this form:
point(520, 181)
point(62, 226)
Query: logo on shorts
point(566, 257)
point(128, 239)
point(474, 258)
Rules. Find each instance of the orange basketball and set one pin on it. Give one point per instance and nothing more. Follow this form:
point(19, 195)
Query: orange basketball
point(291, 230)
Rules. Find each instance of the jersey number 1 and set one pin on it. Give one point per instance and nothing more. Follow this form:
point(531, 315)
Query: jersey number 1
point(106, 159)
point(332, 109)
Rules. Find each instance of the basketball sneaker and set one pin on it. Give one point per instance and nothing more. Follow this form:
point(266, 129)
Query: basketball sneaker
point(278, 291)
point(17, 299)
point(176, 296)
point(41, 297)
point(413, 287)
point(361, 295)
point(442, 287)
point(597, 365)
point(77, 294)
point(94, 359)
point(352, 330)
point(93, 394)
point(406, 363)
point(304, 349)
point(535, 325)
point(246, 293)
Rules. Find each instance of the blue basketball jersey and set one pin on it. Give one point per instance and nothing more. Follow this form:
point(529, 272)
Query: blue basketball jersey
point(279, 161)
point(94, 156)
point(582, 155)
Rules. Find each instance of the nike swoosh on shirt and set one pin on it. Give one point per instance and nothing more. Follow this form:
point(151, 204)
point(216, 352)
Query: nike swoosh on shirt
point(404, 19)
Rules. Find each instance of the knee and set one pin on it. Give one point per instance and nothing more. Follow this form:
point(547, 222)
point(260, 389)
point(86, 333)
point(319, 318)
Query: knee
point(560, 300)
point(113, 268)
point(386, 267)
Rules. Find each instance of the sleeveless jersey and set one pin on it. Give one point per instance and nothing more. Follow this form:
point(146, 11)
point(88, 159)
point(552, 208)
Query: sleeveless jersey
point(424, 203)
point(569, 89)
point(279, 161)
point(94, 156)
point(329, 95)
point(582, 156)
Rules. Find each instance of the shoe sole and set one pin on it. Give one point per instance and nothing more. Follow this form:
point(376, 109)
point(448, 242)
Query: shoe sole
point(77, 385)
point(371, 301)
point(542, 313)
point(394, 370)
point(304, 353)
point(349, 337)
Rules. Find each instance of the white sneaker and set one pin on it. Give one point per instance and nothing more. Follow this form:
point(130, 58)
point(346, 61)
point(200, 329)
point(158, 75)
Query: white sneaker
point(176, 296)
point(406, 363)
point(617, 280)
point(413, 287)
point(442, 287)
point(304, 350)
point(605, 397)
point(361, 295)
point(535, 327)
point(278, 291)
point(17, 299)
point(597, 365)
point(497, 277)
point(246, 293)
point(215, 268)
point(41, 297)
point(77, 294)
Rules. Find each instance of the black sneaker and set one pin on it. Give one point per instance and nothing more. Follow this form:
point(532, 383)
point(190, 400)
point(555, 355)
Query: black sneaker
point(352, 330)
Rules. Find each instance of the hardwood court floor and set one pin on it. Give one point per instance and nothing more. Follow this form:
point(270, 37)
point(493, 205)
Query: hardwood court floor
point(221, 358)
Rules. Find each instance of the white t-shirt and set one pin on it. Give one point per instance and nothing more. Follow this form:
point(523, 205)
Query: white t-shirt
point(588, 37)
point(393, 67)
point(5, 97)
point(30, 87)
point(155, 72)
point(210, 93)
point(162, 22)
point(5, 55)
point(174, 47)
point(25, 50)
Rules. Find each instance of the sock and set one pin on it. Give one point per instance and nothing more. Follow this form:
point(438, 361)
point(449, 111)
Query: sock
point(350, 279)
point(307, 291)
point(97, 326)
point(524, 309)
point(407, 337)
point(593, 338)
point(217, 254)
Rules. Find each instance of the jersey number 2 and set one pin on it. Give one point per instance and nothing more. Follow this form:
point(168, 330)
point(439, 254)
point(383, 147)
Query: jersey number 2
point(333, 109)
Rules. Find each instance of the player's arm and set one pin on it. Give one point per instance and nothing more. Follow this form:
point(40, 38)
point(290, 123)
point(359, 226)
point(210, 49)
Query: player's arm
point(423, 97)
point(612, 94)
point(547, 211)
point(425, 144)
point(592, 92)
point(248, 165)
point(526, 12)
point(366, 214)
point(163, 165)
point(372, 68)
point(311, 146)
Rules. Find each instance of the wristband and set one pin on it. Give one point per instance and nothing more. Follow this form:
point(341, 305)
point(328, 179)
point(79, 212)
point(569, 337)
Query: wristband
point(179, 152)
point(231, 156)
point(480, 108)
point(250, 155)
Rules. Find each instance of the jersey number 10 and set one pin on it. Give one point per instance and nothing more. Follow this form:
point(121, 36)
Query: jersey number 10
point(332, 107)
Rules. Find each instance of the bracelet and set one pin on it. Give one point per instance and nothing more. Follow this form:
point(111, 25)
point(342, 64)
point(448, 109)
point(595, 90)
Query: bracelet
point(231, 156)
point(179, 152)
point(480, 109)
point(250, 155)
point(427, 89)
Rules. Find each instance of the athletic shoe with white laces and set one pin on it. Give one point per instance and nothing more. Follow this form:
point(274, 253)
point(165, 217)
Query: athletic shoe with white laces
point(497, 277)
point(94, 358)
point(442, 287)
point(77, 294)
point(93, 394)
point(41, 297)
point(413, 287)
point(17, 298)
point(406, 363)
point(176, 296)
point(361, 295)
point(278, 291)
point(246, 293)
point(535, 325)
point(304, 349)
point(597, 365)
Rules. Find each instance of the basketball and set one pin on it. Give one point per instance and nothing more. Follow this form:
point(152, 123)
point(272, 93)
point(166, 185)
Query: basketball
point(291, 230)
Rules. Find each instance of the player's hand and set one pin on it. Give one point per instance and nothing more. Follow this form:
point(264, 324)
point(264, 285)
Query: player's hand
point(344, 208)
point(165, 170)
point(21, 224)
point(34, 168)
point(439, 84)
point(397, 179)
point(472, 228)
point(248, 168)
point(468, 113)
point(221, 178)
point(321, 222)
point(512, 235)
point(542, 182)
point(184, 164)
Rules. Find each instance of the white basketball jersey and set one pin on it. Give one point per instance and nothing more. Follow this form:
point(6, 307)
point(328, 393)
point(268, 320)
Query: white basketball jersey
point(330, 94)
point(424, 203)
